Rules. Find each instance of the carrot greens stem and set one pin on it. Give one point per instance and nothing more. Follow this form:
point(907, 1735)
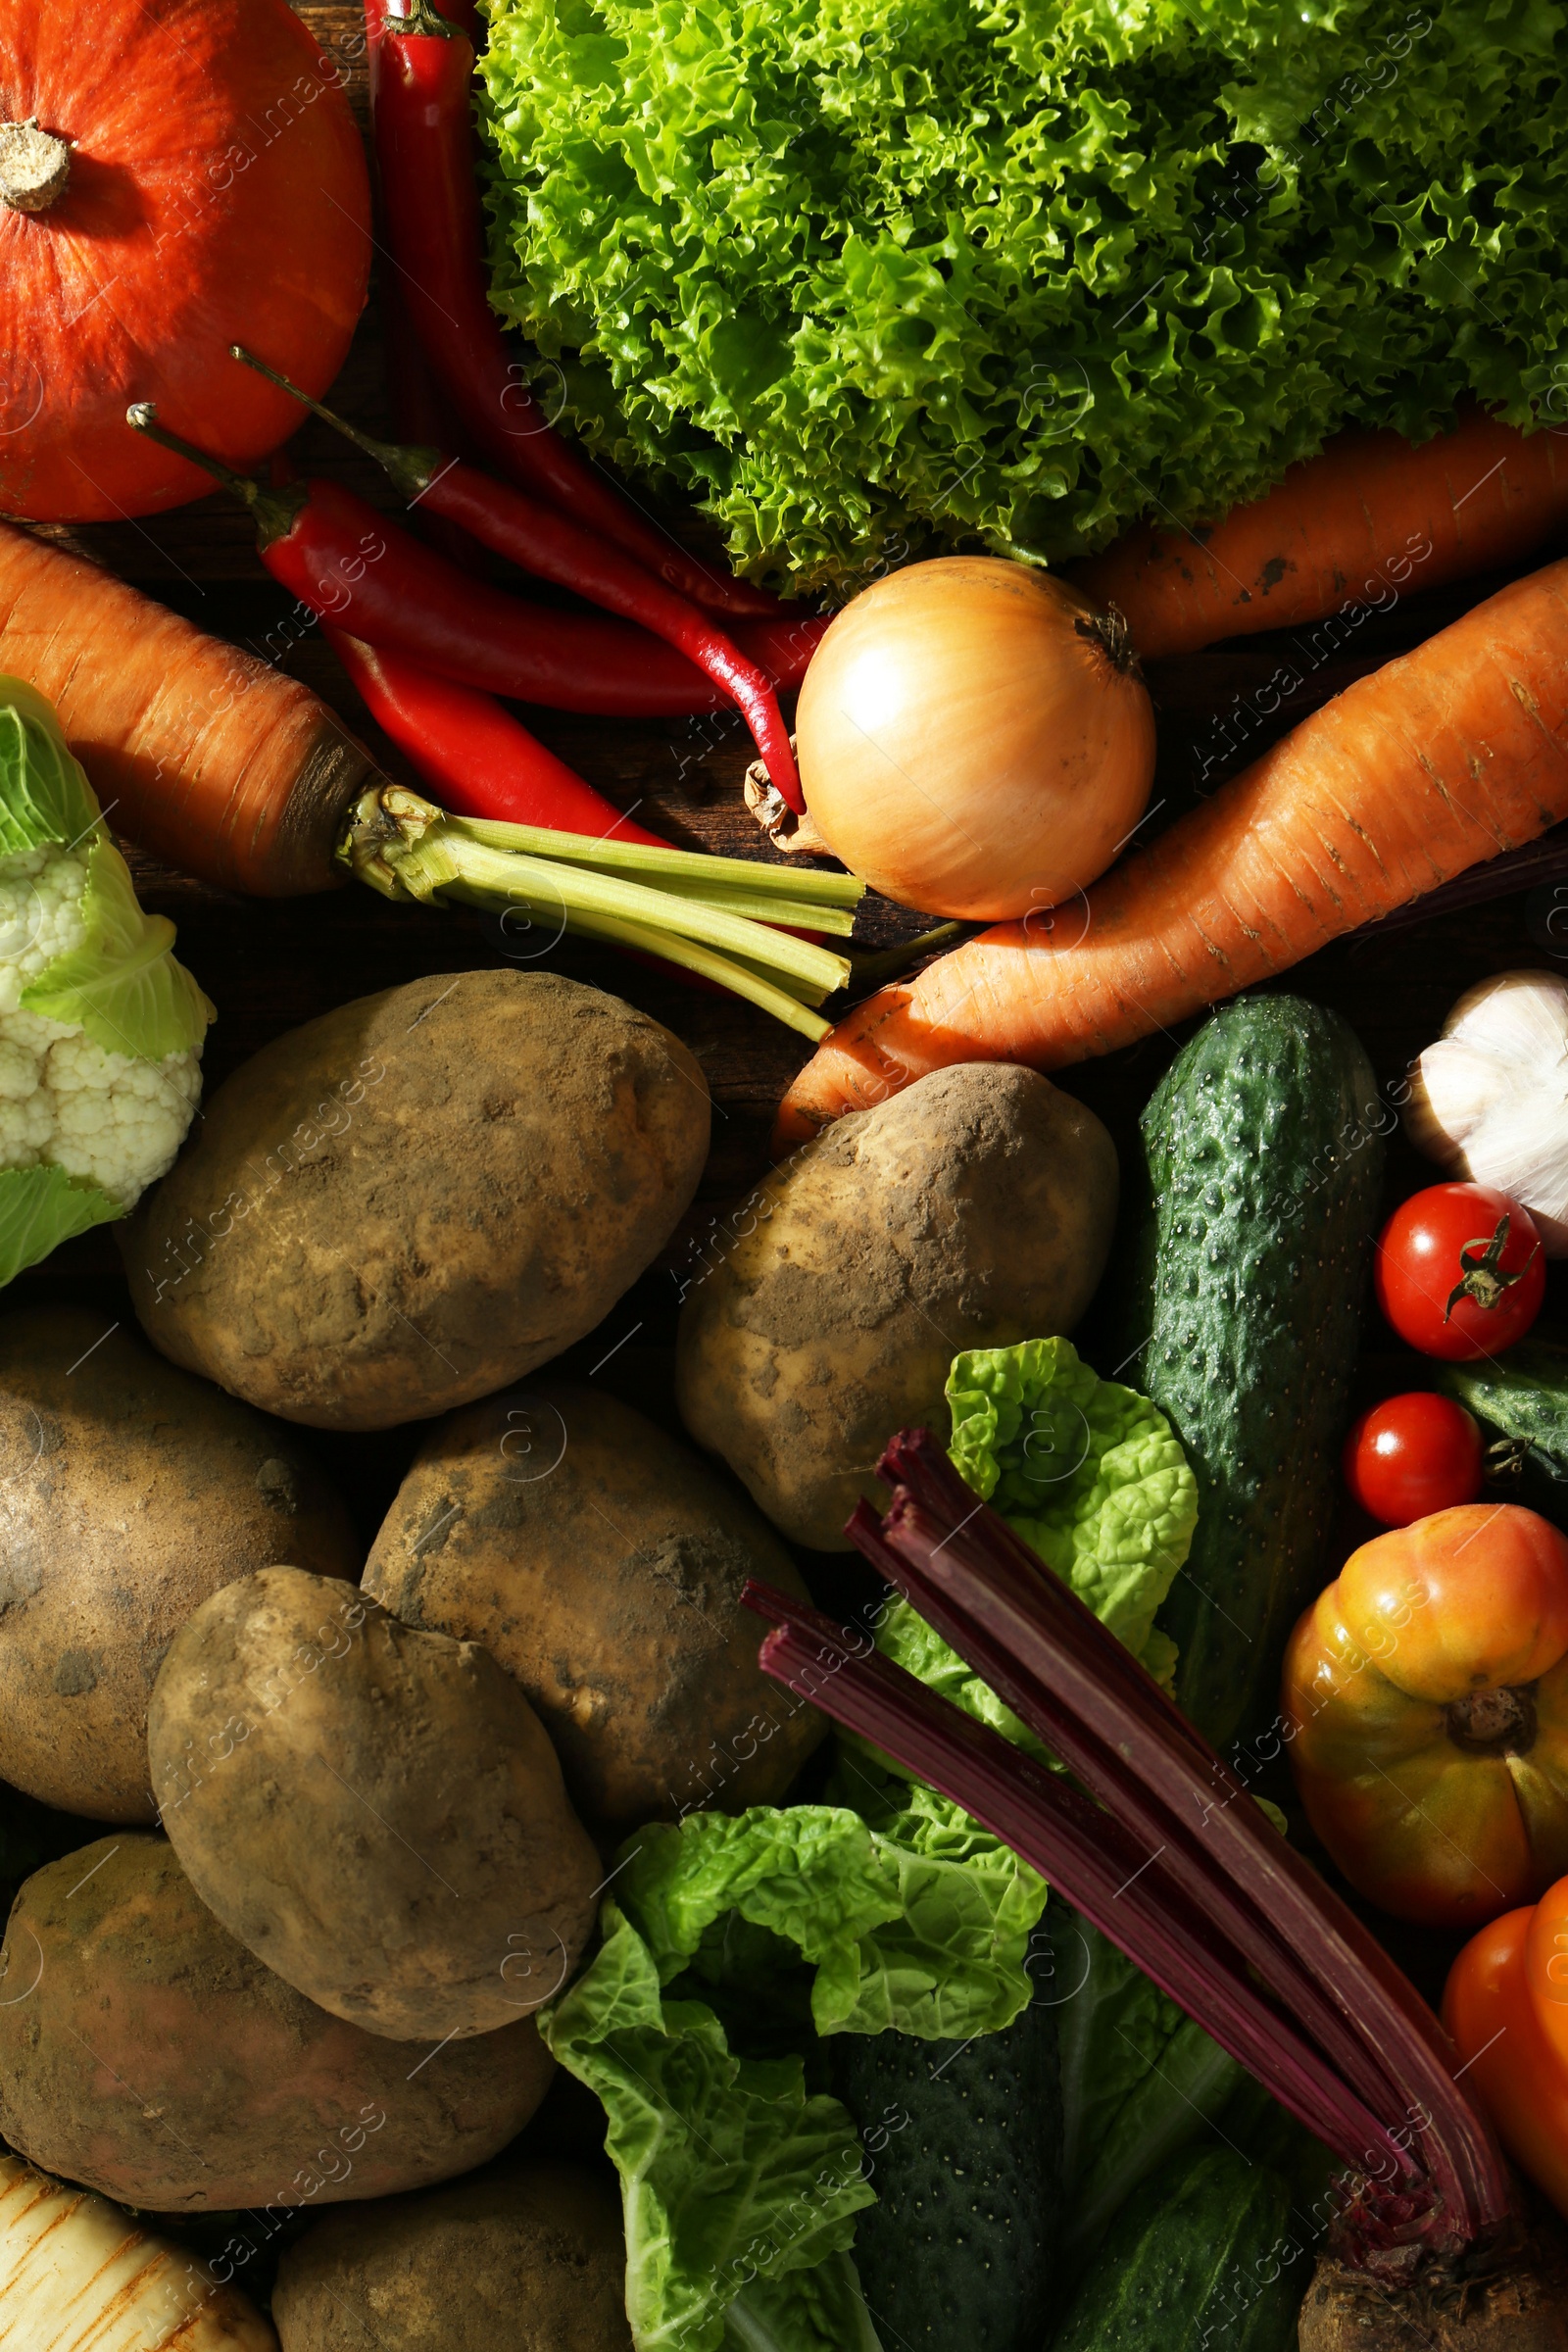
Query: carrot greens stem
point(679, 908)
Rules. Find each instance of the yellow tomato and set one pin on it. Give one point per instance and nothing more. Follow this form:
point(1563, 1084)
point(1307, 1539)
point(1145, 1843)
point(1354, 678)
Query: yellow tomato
point(1426, 1695)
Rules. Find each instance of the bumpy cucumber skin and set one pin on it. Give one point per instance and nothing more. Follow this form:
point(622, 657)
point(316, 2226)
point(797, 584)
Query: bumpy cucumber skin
point(963, 2143)
point(1203, 2255)
point(1263, 1151)
point(1521, 1397)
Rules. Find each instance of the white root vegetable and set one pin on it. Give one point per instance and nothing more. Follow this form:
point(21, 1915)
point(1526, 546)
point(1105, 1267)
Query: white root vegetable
point(1490, 1101)
point(77, 2275)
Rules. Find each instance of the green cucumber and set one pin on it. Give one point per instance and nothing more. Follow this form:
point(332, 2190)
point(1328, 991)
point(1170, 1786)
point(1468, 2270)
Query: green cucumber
point(963, 2141)
point(1254, 1211)
point(1203, 2254)
point(1139, 2081)
point(1521, 1401)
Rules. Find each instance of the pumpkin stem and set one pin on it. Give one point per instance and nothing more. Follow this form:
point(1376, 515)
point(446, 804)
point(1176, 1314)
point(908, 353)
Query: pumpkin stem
point(34, 167)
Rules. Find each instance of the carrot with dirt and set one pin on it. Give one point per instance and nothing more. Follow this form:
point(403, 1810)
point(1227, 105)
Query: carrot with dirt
point(1367, 521)
point(1447, 757)
point(202, 753)
point(231, 772)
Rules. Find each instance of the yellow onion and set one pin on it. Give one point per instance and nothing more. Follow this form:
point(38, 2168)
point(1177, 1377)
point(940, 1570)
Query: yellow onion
point(974, 738)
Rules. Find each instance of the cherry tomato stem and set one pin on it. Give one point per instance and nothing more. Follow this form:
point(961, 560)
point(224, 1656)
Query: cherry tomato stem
point(1459, 1271)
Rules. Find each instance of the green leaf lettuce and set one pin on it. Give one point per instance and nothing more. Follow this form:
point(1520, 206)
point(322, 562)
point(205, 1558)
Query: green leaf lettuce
point(1091, 1476)
point(895, 1912)
point(733, 2177)
point(871, 277)
point(734, 1942)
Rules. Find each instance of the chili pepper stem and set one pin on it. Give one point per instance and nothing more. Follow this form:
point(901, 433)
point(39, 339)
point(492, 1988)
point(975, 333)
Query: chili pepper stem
point(420, 18)
point(411, 471)
point(275, 511)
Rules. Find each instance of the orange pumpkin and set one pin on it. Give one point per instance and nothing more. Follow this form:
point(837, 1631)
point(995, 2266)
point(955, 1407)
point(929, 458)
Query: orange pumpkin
point(176, 175)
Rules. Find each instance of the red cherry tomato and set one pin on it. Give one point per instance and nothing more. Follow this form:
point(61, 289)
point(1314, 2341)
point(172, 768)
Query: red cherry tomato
point(1459, 1271)
point(1413, 1455)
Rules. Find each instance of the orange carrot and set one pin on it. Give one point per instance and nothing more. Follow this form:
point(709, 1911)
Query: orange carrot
point(208, 757)
point(1449, 755)
point(1369, 520)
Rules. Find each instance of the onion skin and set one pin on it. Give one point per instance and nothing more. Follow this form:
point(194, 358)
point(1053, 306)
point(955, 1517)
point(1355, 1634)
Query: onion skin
point(973, 740)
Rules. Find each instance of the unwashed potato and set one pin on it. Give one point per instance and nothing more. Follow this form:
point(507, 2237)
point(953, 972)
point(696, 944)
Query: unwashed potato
point(601, 1562)
point(147, 2054)
point(419, 1197)
point(973, 1211)
point(129, 1492)
point(527, 2257)
point(377, 1813)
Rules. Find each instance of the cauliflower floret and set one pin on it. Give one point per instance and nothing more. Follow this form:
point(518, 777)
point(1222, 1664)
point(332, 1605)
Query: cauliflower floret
point(110, 1118)
point(118, 1121)
point(40, 916)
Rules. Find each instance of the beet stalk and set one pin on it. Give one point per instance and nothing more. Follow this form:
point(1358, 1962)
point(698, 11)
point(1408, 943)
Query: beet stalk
point(1158, 1842)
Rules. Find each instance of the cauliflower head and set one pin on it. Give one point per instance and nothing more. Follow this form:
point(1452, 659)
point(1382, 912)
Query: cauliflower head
point(114, 1118)
point(101, 1030)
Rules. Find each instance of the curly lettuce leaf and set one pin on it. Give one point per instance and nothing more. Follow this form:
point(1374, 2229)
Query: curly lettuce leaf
point(1089, 1473)
point(727, 1939)
point(122, 984)
point(42, 1206)
point(739, 2188)
point(912, 1916)
point(878, 276)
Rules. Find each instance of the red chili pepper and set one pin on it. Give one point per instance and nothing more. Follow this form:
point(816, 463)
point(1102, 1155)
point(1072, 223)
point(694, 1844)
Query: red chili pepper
point(549, 544)
point(422, 68)
point(473, 755)
point(420, 415)
point(356, 567)
point(480, 762)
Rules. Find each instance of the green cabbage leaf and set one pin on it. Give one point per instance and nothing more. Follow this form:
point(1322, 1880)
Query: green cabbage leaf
point(729, 1945)
point(121, 983)
point(77, 949)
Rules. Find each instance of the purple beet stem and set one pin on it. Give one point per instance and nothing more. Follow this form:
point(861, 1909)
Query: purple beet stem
point(1173, 1861)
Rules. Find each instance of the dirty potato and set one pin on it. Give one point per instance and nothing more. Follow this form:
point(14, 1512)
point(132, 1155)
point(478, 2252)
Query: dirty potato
point(147, 2054)
point(419, 1197)
point(973, 1211)
point(376, 1813)
point(526, 2257)
point(601, 1562)
point(132, 1492)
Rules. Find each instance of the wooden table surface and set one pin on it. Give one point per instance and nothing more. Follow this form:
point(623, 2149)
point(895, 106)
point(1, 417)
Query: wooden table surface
point(268, 965)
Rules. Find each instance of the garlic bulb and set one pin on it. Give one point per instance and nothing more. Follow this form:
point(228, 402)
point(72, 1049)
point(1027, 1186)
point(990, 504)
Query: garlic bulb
point(1490, 1099)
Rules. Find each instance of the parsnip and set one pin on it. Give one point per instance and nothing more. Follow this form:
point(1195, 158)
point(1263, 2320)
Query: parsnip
point(77, 2275)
